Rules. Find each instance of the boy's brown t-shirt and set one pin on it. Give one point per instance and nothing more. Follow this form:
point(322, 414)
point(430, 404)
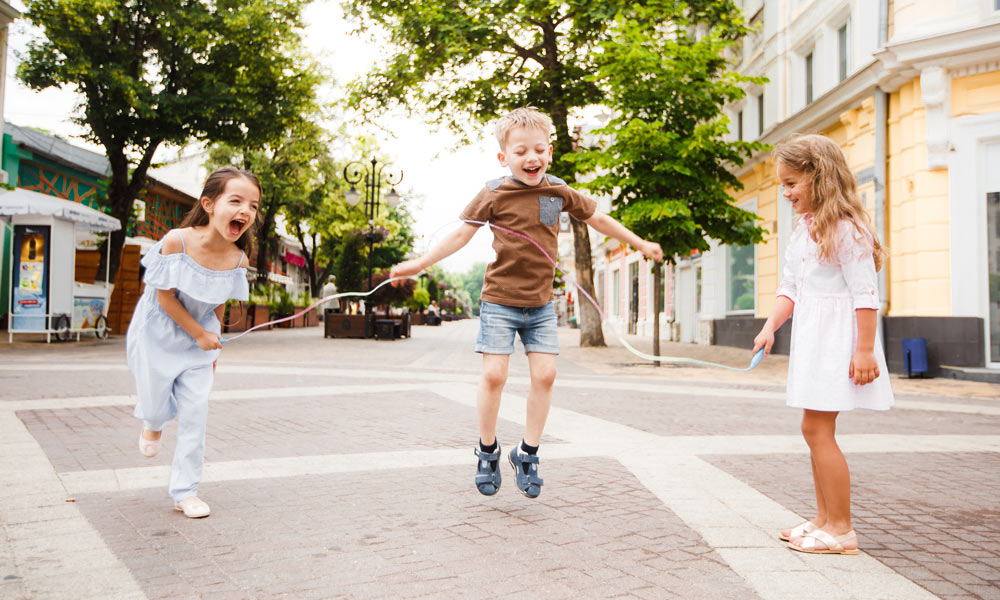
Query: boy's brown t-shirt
point(521, 275)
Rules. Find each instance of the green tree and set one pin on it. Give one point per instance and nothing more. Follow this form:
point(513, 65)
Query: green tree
point(481, 58)
point(351, 265)
point(155, 72)
point(398, 244)
point(472, 283)
point(289, 175)
point(664, 156)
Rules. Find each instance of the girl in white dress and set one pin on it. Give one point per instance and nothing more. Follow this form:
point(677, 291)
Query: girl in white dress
point(836, 361)
point(173, 339)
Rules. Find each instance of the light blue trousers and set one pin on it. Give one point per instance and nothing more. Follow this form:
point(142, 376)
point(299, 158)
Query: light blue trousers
point(188, 401)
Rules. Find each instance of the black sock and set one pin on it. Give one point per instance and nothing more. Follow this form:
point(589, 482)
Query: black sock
point(488, 449)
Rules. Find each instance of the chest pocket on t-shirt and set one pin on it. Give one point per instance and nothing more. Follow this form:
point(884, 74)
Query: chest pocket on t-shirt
point(549, 208)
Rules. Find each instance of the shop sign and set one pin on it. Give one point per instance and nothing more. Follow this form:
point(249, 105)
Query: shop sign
point(294, 259)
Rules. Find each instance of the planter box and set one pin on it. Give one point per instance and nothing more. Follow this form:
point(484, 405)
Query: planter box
point(241, 320)
point(416, 319)
point(339, 325)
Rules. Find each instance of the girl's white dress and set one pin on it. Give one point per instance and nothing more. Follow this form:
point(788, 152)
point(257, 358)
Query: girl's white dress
point(824, 324)
point(173, 376)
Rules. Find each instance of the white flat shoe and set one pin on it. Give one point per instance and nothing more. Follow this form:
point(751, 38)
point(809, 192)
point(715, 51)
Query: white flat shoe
point(193, 508)
point(149, 448)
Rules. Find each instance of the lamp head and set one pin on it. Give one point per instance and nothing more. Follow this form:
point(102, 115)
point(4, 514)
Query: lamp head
point(352, 196)
point(393, 199)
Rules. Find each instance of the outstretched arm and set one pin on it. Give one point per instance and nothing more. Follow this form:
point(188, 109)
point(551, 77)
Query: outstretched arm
point(609, 227)
point(451, 244)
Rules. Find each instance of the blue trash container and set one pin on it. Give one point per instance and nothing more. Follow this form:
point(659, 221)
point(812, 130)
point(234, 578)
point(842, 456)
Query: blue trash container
point(914, 356)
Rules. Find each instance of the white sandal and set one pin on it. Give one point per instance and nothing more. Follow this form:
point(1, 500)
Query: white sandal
point(798, 531)
point(149, 448)
point(193, 507)
point(831, 545)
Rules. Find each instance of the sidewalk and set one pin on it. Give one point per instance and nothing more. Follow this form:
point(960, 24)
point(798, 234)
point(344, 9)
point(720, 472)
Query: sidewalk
point(616, 359)
point(343, 469)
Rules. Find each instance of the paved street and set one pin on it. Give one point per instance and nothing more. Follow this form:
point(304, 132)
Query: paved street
point(343, 469)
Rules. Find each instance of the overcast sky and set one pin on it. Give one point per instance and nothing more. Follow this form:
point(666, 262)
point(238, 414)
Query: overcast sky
point(443, 172)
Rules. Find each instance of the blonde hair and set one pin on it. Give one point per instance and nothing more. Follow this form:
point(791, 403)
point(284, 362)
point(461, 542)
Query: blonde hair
point(528, 116)
point(834, 192)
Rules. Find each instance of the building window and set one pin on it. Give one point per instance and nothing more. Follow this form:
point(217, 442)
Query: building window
point(739, 125)
point(697, 287)
point(741, 263)
point(809, 78)
point(842, 45)
point(996, 4)
point(760, 114)
point(616, 292)
point(756, 35)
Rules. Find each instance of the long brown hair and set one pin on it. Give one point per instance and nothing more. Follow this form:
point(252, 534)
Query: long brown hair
point(834, 192)
point(214, 186)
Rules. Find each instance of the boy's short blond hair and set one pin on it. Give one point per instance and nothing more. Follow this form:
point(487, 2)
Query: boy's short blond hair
point(529, 117)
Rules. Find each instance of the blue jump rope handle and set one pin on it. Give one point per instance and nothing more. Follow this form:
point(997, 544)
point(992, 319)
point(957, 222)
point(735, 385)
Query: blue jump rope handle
point(223, 340)
point(757, 358)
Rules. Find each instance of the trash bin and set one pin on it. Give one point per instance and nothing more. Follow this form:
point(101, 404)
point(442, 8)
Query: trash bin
point(914, 356)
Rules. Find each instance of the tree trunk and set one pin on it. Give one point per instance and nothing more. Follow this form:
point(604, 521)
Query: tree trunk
point(591, 334)
point(122, 192)
point(264, 245)
point(657, 300)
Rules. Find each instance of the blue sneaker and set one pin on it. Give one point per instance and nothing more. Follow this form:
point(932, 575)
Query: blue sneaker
point(526, 472)
point(488, 479)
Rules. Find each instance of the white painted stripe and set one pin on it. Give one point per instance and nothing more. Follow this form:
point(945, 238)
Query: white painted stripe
point(113, 480)
point(215, 396)
point(55, 550)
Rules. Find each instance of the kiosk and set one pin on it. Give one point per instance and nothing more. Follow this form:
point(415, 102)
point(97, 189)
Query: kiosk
point(42, 233)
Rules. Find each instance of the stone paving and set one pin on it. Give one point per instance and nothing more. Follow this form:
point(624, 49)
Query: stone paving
point(342, 469)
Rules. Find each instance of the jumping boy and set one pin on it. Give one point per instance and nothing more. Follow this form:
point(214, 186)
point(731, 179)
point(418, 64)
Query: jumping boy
point(517, 291)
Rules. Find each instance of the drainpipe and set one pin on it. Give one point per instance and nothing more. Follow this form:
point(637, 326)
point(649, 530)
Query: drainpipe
point(881, 158)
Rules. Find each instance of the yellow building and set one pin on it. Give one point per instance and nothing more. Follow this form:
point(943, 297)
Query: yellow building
point(910, 90)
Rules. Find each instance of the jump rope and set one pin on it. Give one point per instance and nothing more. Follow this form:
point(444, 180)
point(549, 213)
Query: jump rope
point(621, 338)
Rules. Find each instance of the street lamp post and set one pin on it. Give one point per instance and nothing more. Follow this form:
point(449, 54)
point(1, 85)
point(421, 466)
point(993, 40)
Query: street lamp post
point(372, 179)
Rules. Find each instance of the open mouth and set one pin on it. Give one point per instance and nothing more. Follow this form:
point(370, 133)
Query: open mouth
point(532, 170)
point(236, 226)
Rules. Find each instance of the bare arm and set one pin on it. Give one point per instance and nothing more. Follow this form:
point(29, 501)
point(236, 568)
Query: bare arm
point(611, 228)
point(864, 366)
point(783, 308)
point(451, 244)
point(206, 340)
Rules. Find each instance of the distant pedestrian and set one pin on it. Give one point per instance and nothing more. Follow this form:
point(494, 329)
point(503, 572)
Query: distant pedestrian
point(329, 289)
point(517, 293)
point(173, 340)
point(836, 362)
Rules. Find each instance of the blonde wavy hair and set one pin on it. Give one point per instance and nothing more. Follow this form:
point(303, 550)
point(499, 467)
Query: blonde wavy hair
point(834, 192)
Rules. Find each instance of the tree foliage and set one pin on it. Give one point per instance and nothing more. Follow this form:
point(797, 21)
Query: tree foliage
point(479, 58)
point(169, 71)
point(664, 156)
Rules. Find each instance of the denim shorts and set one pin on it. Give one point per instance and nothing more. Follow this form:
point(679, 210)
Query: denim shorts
point(498, 324)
